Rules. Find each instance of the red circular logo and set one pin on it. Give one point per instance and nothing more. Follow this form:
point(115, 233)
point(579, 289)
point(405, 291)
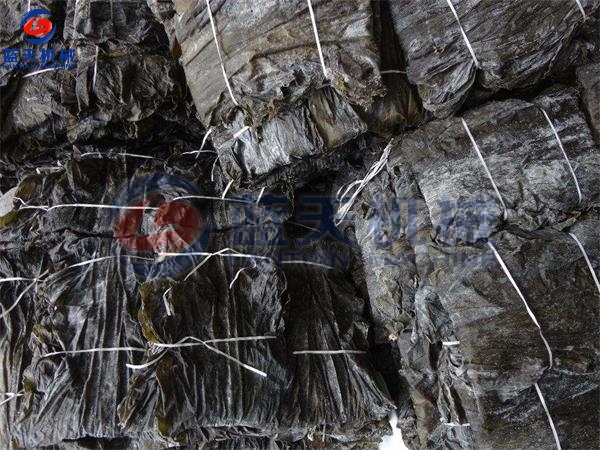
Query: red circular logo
point(173, 227)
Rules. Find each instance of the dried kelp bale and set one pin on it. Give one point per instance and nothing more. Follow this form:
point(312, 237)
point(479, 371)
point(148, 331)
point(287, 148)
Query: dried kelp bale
point(589, 81)
point(201, 394)
point(270, 56)
point(397, 226)
point(90, 297)
point(16, 326)
point(530, 181)
point(339, 390)
point(111, 95)
point(75, 396)
point(76, 308)
point(450, 46)
point(324, 122)
point(399, 108)
point(380, 218)
point(126, 21)
point(494, 354)
point(196, 395)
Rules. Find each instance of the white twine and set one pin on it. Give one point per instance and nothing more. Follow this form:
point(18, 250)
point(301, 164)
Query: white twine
point(182, 343)
point(216, 39)
point(22, 294)
point(372, 173)
point(450, 343)
point(539, 392)
point(96, 63)
point(80, 205)
point(316, 31)
point(132, 155)
point(329, 352)
point(212, 170)
point(226, 189)
point(239, 272)
point(94, 350)
point(262, 191)
point(205, 197)
point(464, 35)
point(383, 72)
point(95, 260)
point(564, 154)
point(308, 263)
point(202, 144)
point(166, 302)
point(30, 74)
point(454, 424)
point(587, 260)
point(240, 132)
point(529, 311)
point(485, 166)
point(12, 279)
point(209, 255)
point(11, 395)
point(580, 6)
point(196, 341)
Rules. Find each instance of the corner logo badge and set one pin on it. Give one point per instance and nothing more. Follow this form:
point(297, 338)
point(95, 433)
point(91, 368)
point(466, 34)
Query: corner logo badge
point(40, 28)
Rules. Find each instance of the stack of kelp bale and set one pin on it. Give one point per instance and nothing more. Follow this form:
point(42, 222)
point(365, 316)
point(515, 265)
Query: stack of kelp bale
point(267, 224)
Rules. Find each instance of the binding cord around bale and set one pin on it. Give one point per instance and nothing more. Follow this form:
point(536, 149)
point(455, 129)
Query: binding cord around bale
point(329, 352)
point(580, 6)
point(30, 286)
point(182, 343)
point(529, 311)
point(318, 41)
point(237, 274)
point(486, 168)
point(11, 395)
point(464, 34)
point(372, 173)
point(206, 343)
point(202, 144)
point(543, 402)
point(562, 149)
point(587, 260)
point(80, 205)
point(216, 39)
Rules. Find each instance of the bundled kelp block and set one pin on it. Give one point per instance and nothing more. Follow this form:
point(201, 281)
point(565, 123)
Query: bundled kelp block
point(265, 58)
point(126, 21)
point(324, 122)
point(514, 323)
point(526, 163)
point(222, 317)
point(434, 186)
point(400, 107)
point(120, 88)
point(450, 46)
point(428, 202)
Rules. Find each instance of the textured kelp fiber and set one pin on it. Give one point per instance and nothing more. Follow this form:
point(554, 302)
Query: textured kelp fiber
point(173, 273)
point(470, 350)
point(500, 48)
